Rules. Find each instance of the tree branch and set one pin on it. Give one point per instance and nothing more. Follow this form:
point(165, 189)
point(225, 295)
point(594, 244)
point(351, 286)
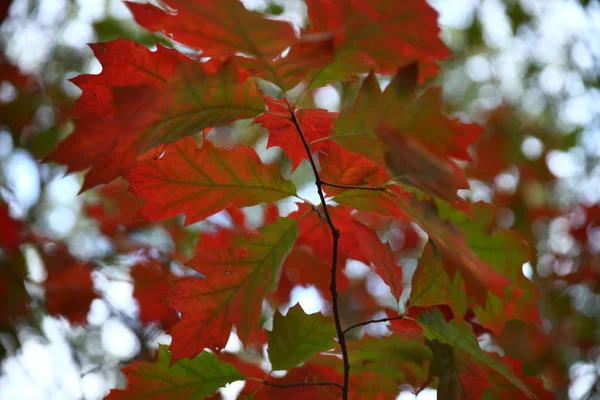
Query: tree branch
point(337, 185)
point(335, 233)
point(373, 321)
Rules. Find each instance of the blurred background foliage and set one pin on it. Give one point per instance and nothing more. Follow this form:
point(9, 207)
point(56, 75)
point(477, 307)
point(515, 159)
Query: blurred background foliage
point(528, 70)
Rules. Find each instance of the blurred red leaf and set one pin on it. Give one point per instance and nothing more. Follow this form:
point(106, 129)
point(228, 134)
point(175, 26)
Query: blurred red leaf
point(152, 281)
point(69, 287)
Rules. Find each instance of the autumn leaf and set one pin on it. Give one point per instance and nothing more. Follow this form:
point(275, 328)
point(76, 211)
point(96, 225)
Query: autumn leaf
point(297, 336)
point(219, 28)
point(355, 127)
point(305, 381)
point(342, 167)
point(460, 337)
point(143, 99)
point(201, 181)
point(431, 285)
point(304, 267)
point(226, 28)
point(408, 132)
point(306, 55)
point(459, 377)
point(116, 209)
point(412, 163)
point(152, 281)
point(239, 273)
point(69, 288)
point(505, 390)
point(377, 34)
point(315, 124)
point(398, 358)
point(378, 201)
point(506, 253)
point(196, 378)
point(381, 257)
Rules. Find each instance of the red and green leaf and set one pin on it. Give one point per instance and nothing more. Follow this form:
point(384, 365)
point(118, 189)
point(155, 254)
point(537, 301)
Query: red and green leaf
point(239, 272)
point(143, 99)
point(201, 181)
point(196, 378)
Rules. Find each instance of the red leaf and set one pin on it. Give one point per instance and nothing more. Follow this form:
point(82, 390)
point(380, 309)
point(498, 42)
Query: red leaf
point(201, 181)
point(238, 275)
point(226, 28)
point(220, 28)
point(412, 163)
point(342, 167)
point(308, 373)
point(381, 256)
point(307, 54)
point(10, 234)
point(503, 390)
point(117, 209)
point(315, 123)
point(143, 99)
point(371, 30)
point(152, 282)
point(69, 287)
point(303, 267)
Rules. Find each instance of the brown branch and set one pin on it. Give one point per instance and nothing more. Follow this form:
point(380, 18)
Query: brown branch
point(337, 185)
point(335, 233)
point(289, 385)
point(373, 321)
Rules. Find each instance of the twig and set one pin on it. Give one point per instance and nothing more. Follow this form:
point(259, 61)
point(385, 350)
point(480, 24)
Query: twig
point(337, 185)
point(373, 321)
point(335, 233)
point(289, 385)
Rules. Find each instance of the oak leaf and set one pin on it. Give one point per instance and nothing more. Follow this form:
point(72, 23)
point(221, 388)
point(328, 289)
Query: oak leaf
point(201, 181)
point(143, 99)
point(239, 272)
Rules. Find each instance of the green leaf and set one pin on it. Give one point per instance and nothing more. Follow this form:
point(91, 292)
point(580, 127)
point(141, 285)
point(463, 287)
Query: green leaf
point(196, 378)
point(460, 336)
point(431, 284)
point(506, 253)
point(355, 127)
point(395, 356)
point(297, 336)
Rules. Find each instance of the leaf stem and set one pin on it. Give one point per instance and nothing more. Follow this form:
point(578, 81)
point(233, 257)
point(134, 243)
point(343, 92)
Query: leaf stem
point(335, 233)
point(373, 321)
point(337, 185)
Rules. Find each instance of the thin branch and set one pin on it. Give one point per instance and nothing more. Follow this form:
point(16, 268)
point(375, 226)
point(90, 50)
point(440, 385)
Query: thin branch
point(337, 185)
point(289, 385)
point(335, 233)
point(373, 321)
